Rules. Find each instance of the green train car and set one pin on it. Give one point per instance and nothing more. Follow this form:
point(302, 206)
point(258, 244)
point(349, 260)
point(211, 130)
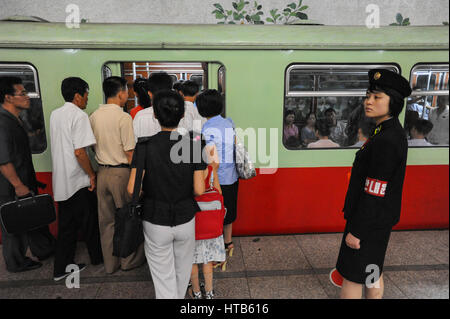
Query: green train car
point(265, 73)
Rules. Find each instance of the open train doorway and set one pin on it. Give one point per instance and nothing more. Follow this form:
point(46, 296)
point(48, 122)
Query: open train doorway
point(208, 75)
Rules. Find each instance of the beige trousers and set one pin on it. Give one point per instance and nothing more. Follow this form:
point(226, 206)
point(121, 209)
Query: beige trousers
point(112, 193)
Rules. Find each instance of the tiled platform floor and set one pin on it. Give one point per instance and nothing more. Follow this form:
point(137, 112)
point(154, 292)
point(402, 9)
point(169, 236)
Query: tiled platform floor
point(275, 267)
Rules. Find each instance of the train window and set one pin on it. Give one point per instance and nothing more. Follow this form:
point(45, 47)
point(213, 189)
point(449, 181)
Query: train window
point(33, 118)
point(332, 96)
point(427, 110)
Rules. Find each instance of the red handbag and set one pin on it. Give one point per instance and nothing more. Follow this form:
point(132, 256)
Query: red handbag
point(209, 220)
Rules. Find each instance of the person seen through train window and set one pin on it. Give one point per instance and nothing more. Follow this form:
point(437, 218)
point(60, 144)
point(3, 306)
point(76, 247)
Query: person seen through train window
point(337, 128)
point(219, 131)
point(420, 105)
point(322, 131)
point(141, 91)
point(374, 195)
point(365, 129)
point(410, 118)
point(418, 131)
point(308, 133)
point(169, 207)
point(289, 128)
point(191, 120)
point(439, 118)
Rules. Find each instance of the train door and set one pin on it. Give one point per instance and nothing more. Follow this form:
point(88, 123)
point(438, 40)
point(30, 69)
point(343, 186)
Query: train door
point(208, 75)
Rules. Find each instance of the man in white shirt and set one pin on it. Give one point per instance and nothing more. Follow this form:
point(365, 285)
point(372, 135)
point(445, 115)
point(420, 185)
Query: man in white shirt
point(145, 123)
point(73, 177)
point(192, 120)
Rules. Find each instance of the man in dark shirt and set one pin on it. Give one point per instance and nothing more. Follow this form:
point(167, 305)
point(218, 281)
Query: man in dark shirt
point(17, 177)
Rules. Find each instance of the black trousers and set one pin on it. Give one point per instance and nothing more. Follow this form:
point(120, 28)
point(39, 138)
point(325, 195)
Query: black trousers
point(78, 213)
point(14, 246)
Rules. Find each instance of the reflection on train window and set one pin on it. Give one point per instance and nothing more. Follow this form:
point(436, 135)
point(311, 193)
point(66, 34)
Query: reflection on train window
point(33, 118)
point(427, 110)
point(323, 106)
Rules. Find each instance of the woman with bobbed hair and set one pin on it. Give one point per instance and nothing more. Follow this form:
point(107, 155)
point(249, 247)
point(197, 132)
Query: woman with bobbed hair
point(373, 201)
point(219, 132)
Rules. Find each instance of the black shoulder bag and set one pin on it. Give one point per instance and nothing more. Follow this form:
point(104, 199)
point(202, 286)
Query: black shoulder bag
point(128, 231)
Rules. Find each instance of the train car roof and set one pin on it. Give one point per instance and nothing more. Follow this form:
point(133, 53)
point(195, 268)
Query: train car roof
point(189, 36)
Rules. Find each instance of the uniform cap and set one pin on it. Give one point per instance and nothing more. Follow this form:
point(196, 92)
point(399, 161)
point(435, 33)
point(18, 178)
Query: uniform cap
point(388, 79)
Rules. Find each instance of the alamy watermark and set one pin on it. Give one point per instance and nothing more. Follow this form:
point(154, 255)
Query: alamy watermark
point(262, 147)
point(73, 279)
point(373, 279)
point(373, 19)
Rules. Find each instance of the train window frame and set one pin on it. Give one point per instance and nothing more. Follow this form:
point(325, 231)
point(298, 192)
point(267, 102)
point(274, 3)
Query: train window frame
point(443, 67)
point(315, 94)
point(34, 95)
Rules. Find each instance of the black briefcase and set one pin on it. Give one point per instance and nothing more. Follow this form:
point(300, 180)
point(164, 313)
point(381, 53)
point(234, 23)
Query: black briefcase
point(25, 214)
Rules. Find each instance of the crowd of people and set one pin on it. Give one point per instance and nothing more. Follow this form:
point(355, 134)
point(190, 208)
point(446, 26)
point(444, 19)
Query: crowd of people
point(430, 124)
point(167, 122)
point(88, 198)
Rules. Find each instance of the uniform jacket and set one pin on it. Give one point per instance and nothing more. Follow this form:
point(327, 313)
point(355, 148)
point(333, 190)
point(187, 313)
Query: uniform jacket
point(374, 194)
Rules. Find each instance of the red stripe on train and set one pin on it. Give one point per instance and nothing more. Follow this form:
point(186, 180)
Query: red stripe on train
point(308, 200)
point(304, 200)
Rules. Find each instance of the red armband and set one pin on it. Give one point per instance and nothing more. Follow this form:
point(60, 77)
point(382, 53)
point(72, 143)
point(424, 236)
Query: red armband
point(375, 187)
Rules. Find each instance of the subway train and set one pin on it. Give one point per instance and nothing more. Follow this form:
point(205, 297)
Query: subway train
point(264, 73)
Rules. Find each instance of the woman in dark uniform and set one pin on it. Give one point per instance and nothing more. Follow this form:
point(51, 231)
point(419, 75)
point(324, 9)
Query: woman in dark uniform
point(373, 200)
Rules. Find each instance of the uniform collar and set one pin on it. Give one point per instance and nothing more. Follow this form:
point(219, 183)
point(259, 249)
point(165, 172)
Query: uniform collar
point(384, 125)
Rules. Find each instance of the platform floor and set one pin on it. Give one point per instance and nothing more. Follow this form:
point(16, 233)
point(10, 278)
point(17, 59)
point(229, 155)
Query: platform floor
point(275, 267)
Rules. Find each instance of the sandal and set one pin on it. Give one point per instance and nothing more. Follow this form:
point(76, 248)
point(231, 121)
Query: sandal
point(229, 249)
point(222, 265)
point(209, 294)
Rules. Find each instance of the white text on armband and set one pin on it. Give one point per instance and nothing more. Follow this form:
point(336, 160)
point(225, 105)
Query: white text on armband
point(375, 187)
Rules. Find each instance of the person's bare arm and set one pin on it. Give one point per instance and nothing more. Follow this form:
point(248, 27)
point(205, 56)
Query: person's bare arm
point(213, 161)
point(129, 155)
point(10, 174)
point(199, 183)
point(85, 163)
point(130, 187)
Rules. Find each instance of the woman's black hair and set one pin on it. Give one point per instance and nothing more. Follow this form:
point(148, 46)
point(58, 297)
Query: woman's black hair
point(396, 101)
point(209, 103)
point(141, 89)
point(168, 107)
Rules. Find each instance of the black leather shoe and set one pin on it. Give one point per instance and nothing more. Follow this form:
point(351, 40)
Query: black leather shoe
point(29, 265)
point(45, 257)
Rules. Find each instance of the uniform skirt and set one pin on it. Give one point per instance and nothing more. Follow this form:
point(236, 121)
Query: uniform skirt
point(230, 193)
point(364, 265)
